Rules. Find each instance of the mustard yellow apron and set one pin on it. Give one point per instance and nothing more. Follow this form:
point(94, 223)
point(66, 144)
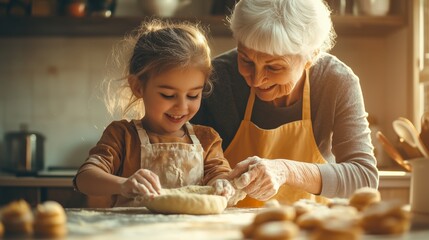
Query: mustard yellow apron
point(294, 141)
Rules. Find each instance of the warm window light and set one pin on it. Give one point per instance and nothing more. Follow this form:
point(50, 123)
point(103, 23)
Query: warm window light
point(392, 173)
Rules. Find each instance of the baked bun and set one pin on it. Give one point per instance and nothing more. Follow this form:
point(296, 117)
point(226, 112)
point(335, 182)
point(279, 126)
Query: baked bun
point(313, 219)
point(337, 229)
point(364, 197)
point(277, 230)
point(303, 206)
point(285, 213)
point(50, 220)
point(282, 213)
point(17, 218)
point(1, 229)
point(333, 202)
point(385, 218)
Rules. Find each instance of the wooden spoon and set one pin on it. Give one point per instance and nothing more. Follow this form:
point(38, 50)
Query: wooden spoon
point(405, 129)
point(392, 151)
point(424, 132)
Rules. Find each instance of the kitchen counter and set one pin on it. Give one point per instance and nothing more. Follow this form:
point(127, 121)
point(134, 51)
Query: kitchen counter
point(394, 179)
point(43, 179)
point(139, 223)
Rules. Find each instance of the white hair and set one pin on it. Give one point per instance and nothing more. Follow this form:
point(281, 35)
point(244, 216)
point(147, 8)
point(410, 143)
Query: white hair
point(283, 27)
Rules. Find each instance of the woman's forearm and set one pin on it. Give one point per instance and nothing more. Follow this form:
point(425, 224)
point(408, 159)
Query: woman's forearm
point(303, 175)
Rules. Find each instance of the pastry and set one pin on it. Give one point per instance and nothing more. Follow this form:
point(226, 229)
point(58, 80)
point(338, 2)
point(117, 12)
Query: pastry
point(285, 213)
point(17, 218)
point(337, 229)
point(303, 206)
point(50, 220)
point(275, 214)
point(1, 229)
point(385, 218)
point(312, 220)
point(277, 230)
point(364, 197)
point(338, 202)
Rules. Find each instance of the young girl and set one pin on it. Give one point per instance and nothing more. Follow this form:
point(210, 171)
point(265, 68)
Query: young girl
point(168, 73)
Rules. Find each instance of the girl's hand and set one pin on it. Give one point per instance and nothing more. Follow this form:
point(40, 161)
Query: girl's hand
point(142, 183)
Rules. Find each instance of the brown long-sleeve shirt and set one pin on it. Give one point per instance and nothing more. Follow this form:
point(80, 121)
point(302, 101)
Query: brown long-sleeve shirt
point(118, 151)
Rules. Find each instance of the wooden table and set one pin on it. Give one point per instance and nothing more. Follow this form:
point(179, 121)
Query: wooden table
point(139, 223)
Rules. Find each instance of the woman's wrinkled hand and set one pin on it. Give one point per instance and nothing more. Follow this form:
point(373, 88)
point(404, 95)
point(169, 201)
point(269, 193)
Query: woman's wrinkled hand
point(223, 188)
point(259, 178)
point(142, 183)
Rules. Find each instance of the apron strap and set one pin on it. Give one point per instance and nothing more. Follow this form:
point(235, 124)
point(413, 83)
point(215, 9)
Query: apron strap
point(144, 139)
point(249, 107)
point(306, 108)
point(191, 132)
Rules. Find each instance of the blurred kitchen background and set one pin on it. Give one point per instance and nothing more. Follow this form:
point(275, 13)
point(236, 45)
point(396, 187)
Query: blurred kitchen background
point(53, 57)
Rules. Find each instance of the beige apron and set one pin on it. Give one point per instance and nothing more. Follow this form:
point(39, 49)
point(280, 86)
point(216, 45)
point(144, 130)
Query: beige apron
point(176, 164)
point(294, 141)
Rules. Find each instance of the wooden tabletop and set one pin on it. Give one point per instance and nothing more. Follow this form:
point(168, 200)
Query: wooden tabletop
point(139, 223)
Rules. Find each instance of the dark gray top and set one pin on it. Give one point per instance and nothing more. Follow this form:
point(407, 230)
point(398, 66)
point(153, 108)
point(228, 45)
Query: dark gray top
point(338, 116)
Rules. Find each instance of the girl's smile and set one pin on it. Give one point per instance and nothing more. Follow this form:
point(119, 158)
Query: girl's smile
point(171, 99)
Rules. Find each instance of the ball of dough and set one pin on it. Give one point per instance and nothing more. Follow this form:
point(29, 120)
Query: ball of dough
point(17, 218)
point(364, 197)
point(385, 218)
point(277, 230)
point(50, 220)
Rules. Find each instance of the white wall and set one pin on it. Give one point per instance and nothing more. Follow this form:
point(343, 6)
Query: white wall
point(51, 84)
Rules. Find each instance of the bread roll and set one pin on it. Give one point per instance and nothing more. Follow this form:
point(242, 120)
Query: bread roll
point(385, 218)
point(17, 218)
point(50, 220)
point(337, 229)
point(364, 197)
point(277, 230)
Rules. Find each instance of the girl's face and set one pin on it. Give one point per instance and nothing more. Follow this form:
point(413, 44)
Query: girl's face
point(171, 99)
point(272, 76)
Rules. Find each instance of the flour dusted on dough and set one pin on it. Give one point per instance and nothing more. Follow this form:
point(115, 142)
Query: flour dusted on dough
point(197, 200)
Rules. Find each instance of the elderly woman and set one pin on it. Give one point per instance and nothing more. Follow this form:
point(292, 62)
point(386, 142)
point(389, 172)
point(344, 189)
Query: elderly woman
point(292, 116)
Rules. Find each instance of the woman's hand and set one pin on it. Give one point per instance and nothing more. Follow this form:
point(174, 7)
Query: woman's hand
point(142, 183)
point(259, 178)
point(223, 188)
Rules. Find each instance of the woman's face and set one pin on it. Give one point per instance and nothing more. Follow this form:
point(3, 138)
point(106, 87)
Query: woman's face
point(272, 76)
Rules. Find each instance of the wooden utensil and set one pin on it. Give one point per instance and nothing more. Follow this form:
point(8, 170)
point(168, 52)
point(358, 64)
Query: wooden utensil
point(424, 132)
point(406, 150)
point(392, 151)
point(406, 130)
